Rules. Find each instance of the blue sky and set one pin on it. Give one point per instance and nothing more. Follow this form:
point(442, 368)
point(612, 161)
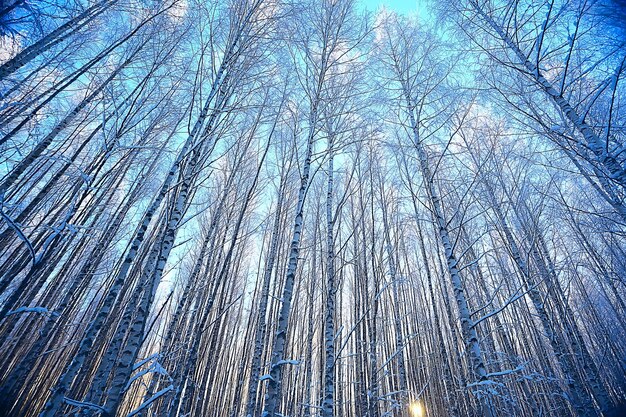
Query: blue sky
point(401, 6)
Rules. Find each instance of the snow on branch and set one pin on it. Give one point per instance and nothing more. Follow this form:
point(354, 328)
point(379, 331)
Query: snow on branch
point(391, 394)
point(507, 371)
point(18, 230)
point(83, 404)
point(516, 296)
point(38, 310)
point(487, 382)
point(287, 362)
point(155, 368)
point(281, 362)
point(150, 400)
point(141, 363)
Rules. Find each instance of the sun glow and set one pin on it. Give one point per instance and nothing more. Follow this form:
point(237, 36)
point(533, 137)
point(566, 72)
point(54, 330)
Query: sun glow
point(417, 409)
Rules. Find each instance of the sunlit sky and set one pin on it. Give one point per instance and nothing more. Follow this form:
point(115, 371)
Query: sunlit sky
point(401, 6)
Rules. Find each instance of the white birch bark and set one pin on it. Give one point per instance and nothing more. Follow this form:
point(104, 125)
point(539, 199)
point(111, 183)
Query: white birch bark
point(56, 36)
point(614, 169)
point(272, 396)
point(55, 402)
point(47, 140)
point(468, 328)
point(397, 322)
point(579, 399)
point(263, 303)
point(329, 319)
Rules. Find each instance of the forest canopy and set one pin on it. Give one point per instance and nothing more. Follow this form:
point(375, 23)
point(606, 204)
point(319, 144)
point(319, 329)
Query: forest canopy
point(270, 208)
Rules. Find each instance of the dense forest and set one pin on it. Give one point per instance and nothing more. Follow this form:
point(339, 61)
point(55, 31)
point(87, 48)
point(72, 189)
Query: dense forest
point(312, 208)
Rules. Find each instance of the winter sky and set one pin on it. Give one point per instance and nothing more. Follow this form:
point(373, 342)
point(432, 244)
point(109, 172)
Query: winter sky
point(400, 6)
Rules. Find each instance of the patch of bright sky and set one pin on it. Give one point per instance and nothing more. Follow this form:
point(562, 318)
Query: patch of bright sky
point(419, 9)
point(405, 7)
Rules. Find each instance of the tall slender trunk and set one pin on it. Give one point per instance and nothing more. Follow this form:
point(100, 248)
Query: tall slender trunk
point(468, 328)
point(280, 339)
point(46, 141)
point(579, 398)
point(329, 319)
point(615, 170)
point(397, 321)
point(56, 400)
point(261, 330)
point(56, 36)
